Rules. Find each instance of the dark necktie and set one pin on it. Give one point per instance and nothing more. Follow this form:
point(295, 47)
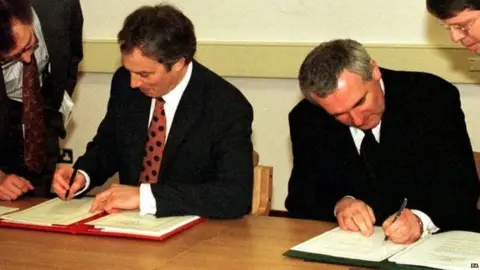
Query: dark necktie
point(369, 151)
point(33, 118)
point(155, 144)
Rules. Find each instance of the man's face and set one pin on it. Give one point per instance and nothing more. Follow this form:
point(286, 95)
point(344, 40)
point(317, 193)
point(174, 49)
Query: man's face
point(465, 28)
point(151, 77)
point(25, 44)
point(356, 103)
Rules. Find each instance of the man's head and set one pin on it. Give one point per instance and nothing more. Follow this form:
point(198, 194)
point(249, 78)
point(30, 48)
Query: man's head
point(17, 38)
point(461, 18)
point(340, 77)
point(157, 43)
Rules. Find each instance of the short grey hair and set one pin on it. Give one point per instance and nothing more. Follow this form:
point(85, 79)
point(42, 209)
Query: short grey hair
point(321, 68)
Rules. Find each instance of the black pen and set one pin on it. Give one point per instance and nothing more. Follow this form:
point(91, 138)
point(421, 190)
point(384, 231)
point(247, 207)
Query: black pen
point(399, 212)
point(74, 173)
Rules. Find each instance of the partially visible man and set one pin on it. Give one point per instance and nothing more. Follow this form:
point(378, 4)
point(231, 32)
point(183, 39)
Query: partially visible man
point(364, 138)
point(178, 134)
point(461, 18)
point(40, 49)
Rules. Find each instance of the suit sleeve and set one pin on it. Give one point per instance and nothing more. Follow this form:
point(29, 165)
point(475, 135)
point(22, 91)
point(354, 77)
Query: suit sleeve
point(312, 191)
point(76, 46)
point(101, 157)
point(454, 188)
point(229, 194)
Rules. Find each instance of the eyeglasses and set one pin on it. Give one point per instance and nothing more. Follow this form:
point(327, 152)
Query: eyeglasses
point(11, 60)
point(462, 28)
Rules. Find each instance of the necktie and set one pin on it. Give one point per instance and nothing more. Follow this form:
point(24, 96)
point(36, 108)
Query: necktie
point(369, 151)
point(33, 118)
point(155, 144)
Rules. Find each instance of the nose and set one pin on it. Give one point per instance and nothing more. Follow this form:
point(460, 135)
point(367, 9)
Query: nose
point(26, 57)
point(135, 80)
point(357, 118)
point(456, 35)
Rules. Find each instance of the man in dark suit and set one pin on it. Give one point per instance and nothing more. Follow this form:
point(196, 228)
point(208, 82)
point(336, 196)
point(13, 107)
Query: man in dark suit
point(366, 137)
point(40, 49)
point(461, 18)
point(178, 134)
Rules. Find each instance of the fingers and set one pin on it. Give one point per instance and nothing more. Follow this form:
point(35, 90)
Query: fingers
point(78, 184)
point(13, 187)
point(406, 229)
point(100, 200)
point(355, 215)
point(60, 181)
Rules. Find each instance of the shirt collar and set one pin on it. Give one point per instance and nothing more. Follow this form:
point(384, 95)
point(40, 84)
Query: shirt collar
point(175, 95)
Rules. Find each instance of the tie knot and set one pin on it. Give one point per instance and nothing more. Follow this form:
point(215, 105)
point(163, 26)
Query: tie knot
point(368, 133)
point(160, 100)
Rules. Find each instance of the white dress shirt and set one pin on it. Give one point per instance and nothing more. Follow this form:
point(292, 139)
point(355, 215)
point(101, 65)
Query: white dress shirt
point(357, 134)
point(172, 99)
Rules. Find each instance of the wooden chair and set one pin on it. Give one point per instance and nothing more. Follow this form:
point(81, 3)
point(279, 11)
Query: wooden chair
point(262, 188)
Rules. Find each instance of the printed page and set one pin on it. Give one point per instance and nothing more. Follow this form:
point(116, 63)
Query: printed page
point(55, 211)
point(5, 209)
point(132, 222)
point(351, 245)
point(448, 250)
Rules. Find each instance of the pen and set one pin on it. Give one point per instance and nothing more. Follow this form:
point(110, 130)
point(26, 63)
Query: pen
point(74, 173)
point(399, 212)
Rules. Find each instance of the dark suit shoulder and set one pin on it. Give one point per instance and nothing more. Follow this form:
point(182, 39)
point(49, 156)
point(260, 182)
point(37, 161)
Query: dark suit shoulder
point(216, 88)
point(307, 110)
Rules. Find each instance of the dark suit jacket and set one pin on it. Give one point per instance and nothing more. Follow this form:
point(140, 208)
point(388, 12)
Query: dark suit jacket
point(426, 156)
point(207, 166)
point(62, 24)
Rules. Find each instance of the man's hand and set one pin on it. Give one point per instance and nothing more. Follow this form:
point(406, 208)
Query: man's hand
point(117, 197)
point(13, 186)
point(405, 230)
point(61, 180)
point(355, 215)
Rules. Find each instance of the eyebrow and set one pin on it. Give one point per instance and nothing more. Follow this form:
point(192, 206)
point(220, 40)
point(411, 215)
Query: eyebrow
point(358, 103)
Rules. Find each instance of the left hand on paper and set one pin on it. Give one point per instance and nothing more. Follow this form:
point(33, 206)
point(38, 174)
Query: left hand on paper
point(405, 230)
point(117, 197)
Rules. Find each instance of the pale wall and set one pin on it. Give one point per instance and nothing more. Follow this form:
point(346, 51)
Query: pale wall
point(272, 99)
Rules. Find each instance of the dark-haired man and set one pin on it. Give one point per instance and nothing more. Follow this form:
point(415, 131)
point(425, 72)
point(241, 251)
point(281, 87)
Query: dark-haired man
point(461, 18)
point(177, 133)
point(40, 49)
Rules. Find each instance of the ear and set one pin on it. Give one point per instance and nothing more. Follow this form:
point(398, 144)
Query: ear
point(179, 64)
point(376, 74)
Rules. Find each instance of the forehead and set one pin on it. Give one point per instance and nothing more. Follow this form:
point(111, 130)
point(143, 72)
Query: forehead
point(462, 17)
point(350, 89)
point(136, 61)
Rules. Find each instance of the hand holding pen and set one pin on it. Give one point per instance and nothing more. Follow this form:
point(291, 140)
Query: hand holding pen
point(403, 227)
point(67, 181)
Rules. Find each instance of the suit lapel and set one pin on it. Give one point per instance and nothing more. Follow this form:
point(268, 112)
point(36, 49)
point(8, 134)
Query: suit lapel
point(134, 132)
point(188, 111)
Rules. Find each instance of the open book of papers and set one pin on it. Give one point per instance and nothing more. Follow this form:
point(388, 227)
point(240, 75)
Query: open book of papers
point(74, 217)
point(448, 250)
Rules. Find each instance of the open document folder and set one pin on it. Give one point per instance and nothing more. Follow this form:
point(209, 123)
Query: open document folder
point(74, 217)
point(448, 250)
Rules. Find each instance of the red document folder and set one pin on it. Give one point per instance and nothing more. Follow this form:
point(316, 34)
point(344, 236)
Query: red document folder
point(82, 228)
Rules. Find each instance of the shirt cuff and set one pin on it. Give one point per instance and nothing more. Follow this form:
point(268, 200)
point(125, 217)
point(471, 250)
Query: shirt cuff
point(428, 227)
point(87, 183)
point(335, 209)
point(148, 204)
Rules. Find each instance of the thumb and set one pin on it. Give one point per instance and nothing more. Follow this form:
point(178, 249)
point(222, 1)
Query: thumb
point(78, 184)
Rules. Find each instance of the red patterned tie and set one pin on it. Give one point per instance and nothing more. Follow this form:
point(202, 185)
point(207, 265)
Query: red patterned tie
point(155, 144)
point(33, 118)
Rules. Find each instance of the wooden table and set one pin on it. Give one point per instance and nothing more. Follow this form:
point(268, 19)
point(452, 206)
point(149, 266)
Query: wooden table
point(248, 243)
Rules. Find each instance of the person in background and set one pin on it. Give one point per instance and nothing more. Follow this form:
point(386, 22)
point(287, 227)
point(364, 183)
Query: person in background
point(40, 49)
point(178, 134)
point(365, 138)
point(461, 18)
